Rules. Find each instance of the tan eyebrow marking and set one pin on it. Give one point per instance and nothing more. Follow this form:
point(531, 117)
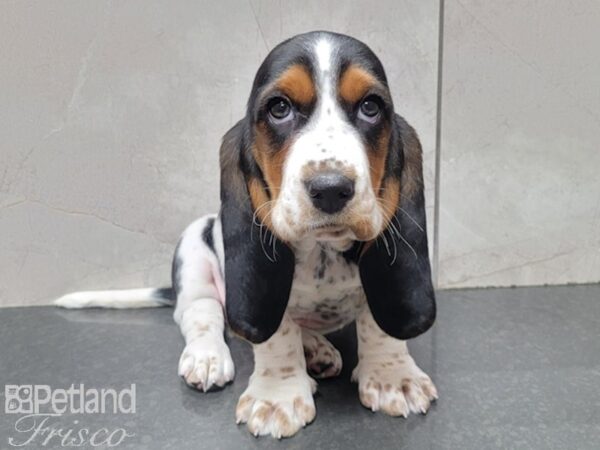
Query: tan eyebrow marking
point(297, 84)
point(355, 82)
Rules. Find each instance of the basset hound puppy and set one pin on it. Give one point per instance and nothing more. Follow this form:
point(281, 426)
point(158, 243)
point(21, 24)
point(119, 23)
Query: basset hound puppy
point(322, 223)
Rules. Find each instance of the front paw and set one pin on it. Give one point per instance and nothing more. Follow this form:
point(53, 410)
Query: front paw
point(394, 387)
point(206, 363)
point(278, 402)
point(323, 360)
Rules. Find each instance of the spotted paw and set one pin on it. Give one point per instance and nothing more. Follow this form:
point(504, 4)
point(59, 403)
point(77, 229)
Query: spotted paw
point(323, 360)
point(206, 363)
point(394, 387)
point(277, 402)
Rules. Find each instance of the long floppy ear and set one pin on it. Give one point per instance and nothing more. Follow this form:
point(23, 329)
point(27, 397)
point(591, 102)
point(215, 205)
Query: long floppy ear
point(395, 270)
point(258, 269)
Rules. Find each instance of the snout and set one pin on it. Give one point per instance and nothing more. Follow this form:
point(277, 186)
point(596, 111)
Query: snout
point(330, 191)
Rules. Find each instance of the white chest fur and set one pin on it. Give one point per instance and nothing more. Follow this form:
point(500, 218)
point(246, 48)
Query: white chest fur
point(326, 292)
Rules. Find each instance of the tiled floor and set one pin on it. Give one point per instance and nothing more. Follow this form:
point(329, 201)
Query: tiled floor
point(515, 368)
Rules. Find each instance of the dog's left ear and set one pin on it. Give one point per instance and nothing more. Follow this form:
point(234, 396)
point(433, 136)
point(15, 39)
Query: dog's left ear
point(395, 270)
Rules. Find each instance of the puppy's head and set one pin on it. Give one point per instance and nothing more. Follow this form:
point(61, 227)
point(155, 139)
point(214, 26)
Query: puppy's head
point(322, 155)
point(321, 124)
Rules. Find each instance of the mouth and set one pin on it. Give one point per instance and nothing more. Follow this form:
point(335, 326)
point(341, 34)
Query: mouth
point(331, 232)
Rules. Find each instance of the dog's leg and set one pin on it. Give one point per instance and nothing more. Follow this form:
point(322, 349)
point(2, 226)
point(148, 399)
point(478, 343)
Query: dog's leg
point(279, 397)
point(388, 378)
point(206, 361)
point(322, 358)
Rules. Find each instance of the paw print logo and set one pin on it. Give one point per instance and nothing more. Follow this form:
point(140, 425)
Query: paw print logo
point(18, 399)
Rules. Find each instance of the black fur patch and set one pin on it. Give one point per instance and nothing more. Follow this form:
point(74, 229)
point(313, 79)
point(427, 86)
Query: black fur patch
point(165, 293)
point(322, 266)
point(175, 271)
point(207, 234)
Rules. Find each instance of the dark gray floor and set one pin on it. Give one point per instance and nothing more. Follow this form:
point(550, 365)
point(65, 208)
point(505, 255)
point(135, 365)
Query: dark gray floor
point(515, 368)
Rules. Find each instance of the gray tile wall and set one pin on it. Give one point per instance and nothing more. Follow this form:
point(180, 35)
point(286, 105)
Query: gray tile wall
point(520, 151)
point(111, 115)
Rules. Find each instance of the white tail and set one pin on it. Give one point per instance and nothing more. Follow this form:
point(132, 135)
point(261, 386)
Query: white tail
point(118, 299)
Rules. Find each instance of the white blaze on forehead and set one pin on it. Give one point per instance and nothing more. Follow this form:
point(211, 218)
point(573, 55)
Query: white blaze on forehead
point(323, 51)
point(328, 135)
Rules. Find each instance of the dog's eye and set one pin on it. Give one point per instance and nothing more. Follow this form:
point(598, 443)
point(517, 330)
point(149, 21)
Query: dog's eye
point(280, 109)
point(369, 109)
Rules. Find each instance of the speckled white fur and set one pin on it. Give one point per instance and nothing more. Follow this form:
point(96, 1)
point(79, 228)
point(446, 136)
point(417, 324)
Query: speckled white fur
point(387, 376)
point(279, 397)
point(326, 292)
point(326, 295)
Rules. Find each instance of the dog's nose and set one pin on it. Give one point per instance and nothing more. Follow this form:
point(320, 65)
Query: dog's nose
point(330, 192)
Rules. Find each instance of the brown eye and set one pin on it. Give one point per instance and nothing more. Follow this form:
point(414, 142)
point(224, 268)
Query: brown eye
point(280, 109)
point(369, 108)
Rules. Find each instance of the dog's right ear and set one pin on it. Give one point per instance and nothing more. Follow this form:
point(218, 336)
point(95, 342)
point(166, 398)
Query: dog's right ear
point(258, 268)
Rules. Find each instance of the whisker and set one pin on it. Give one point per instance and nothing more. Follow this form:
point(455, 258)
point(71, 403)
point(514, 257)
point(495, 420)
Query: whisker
point(395, 249)
point(273, 242)
point(409, 246)
point(398, 231)
point(387, 246)
point(273, 257)
point(413, 220)
point(391, 212)
point(261, 225)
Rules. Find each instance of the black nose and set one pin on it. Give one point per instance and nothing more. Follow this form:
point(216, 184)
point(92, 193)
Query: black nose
point(330, 192)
